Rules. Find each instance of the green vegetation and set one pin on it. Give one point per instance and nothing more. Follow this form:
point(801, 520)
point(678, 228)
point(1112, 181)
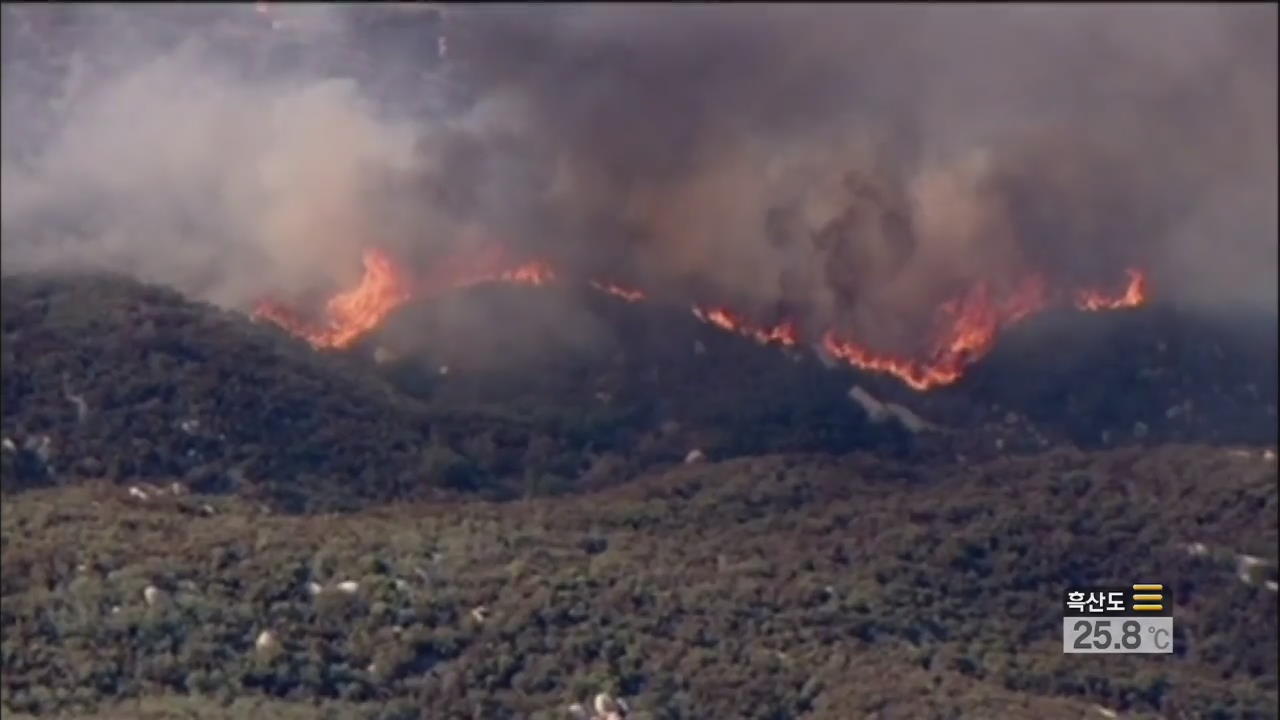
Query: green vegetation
point(771, 587)
point(132, 382)
point(491, 562)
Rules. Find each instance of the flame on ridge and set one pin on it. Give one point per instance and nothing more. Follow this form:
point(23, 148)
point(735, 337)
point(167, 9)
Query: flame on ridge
point(352, 313)
point(1134, 295)
point(349, 314)
point(966, 326)
point(618, 291)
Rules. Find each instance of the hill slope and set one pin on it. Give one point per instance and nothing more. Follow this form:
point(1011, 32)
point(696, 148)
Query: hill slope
point(508, 391)
point(105, 377)
point(778, 587)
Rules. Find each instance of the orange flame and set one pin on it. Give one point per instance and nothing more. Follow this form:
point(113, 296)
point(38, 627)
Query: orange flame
point(1134, 295)
point(969, 325)
point(783, 334)
point(536, 273)
point(627, 294)
point(966, 330)
point(350, 314)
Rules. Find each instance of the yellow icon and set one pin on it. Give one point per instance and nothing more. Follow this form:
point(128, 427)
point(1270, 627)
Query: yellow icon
point(1150, 595)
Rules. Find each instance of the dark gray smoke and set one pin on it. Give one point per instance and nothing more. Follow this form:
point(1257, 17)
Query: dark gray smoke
point(850, 164)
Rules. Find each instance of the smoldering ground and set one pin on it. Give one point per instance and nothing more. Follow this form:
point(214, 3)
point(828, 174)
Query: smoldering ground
point(853, 165)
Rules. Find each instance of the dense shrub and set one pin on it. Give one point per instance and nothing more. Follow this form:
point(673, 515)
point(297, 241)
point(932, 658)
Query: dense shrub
point(776, 587)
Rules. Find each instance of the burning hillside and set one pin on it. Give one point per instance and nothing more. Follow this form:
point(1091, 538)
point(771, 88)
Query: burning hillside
point(864, 180)
point(965, 327)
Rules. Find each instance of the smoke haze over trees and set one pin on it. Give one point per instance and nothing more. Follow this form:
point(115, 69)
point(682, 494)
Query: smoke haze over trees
point(854, 166)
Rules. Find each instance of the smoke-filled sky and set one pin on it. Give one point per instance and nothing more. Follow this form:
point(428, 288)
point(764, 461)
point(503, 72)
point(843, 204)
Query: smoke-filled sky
point(852, 164)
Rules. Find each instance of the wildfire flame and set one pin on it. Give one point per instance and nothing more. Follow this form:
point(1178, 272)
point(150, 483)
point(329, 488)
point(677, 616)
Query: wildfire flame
point(783, 333)
point(1134, 295)
point(350, 314)
point(966, 326)
point(627, 294)
point(969, 326)
point(535, 273)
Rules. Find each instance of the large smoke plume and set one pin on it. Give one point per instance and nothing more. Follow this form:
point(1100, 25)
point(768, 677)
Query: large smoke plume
point(852, 165)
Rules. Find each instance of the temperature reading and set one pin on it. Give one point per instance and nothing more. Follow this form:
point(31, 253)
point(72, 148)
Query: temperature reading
point(1117, 635)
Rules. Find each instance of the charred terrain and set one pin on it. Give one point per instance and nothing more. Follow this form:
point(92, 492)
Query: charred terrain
point(522, 531)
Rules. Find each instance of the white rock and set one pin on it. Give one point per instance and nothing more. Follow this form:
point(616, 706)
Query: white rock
point(1245, 565)
point(189, 426)
point(348, 586)
point(605, 704)
point(138, 493)
point(266, 640)
point(1104, 712)
point(1197, 549)
point(824, 356)
point(876, 411)
point(908, 419)
point(1269, 455)
point(8, 445)
point(695, 456)
point(82, 407)
point(480, 613)
point(1271, 585)
point(151, 594)
point(313, 589)
point(444, 370)
point(577, 712)
point(41, 446)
